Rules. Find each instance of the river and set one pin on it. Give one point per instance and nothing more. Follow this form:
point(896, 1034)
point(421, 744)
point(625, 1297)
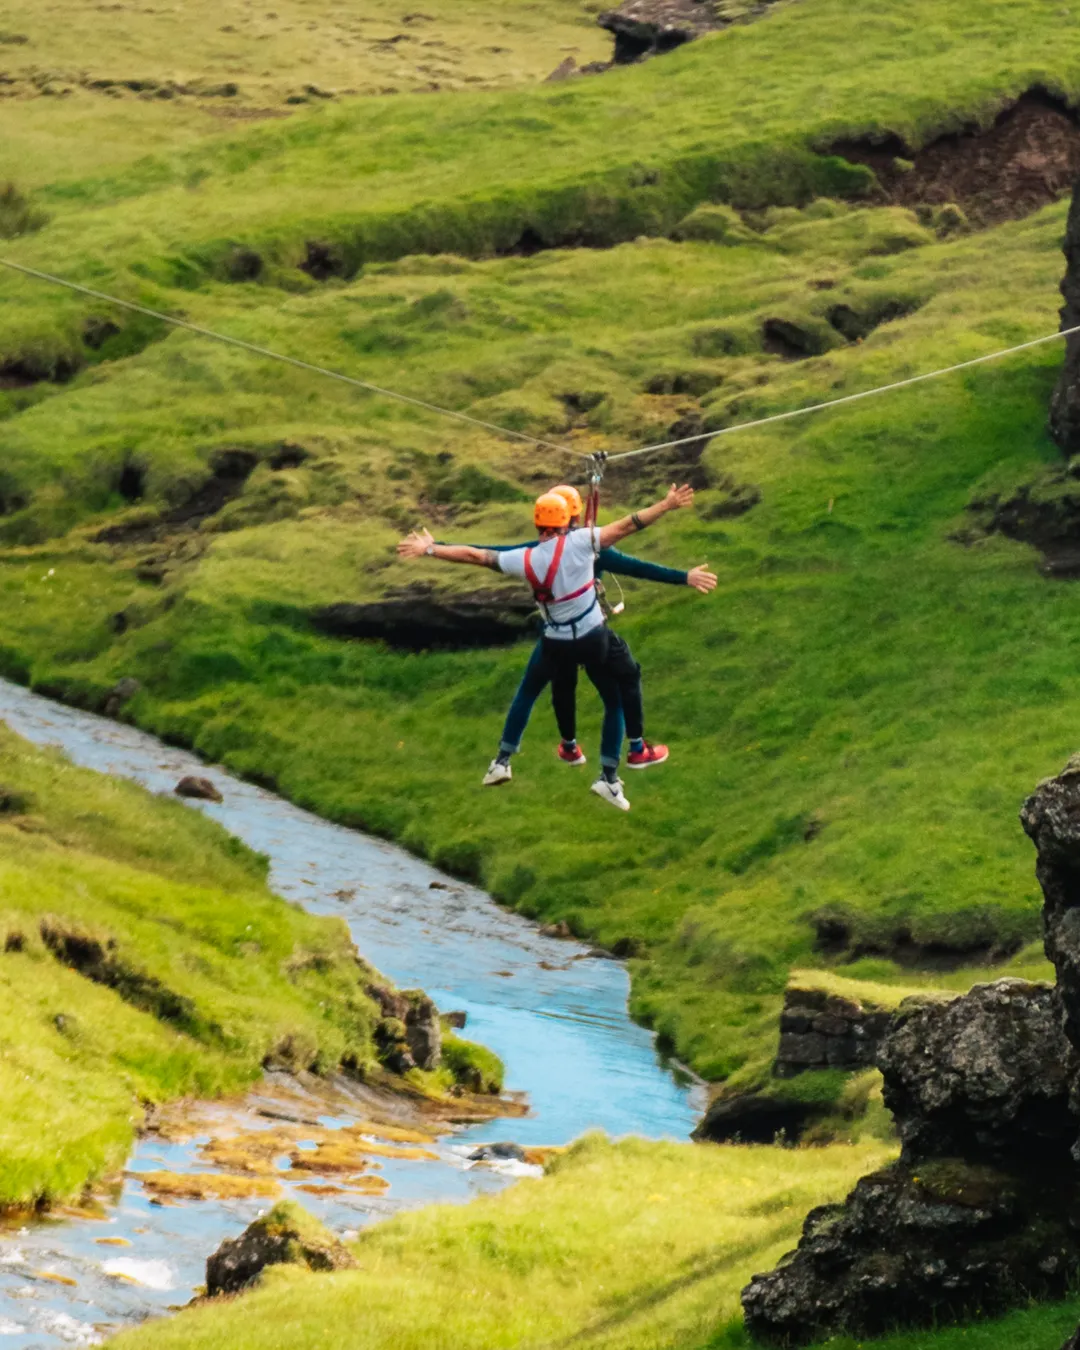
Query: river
point(556, 1017)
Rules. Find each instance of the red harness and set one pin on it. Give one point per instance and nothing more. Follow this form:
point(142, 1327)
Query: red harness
point(542, 589)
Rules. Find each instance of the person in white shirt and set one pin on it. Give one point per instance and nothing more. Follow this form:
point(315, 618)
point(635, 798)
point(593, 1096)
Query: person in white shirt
point(561, 571)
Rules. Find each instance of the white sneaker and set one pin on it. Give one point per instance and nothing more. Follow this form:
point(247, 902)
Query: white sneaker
point(611, 792)
point(497, 773)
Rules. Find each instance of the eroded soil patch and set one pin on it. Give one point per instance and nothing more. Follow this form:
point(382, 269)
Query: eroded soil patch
point(977, 937)
point(418, 617)
point(1029, 158)
point(231, 469)
point(99, 961)
point(1044, 514)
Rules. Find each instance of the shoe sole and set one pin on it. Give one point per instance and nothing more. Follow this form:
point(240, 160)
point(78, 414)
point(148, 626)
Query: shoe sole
point(649, 764)
point(572, 763)
point(496, 782)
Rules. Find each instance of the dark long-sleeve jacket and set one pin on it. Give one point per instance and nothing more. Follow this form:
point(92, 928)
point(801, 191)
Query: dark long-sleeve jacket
point(619, 564)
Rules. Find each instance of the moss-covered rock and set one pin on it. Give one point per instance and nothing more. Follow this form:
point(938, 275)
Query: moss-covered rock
point(287, 1235)
point(917, 1244)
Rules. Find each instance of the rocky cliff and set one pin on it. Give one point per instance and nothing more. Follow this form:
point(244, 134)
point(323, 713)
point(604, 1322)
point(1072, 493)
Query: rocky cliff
point(980, 1212)
point(975, 1216)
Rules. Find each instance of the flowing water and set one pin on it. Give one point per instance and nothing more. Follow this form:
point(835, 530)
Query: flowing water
point(557, 1017)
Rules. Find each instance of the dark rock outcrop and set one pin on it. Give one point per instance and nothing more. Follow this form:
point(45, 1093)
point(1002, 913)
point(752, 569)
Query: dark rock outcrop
point(410, 1033)
point(1051, 815)
point(286, 1235)
point(977, 1214)
point(819, 1030)
point(756, 1118)
point(649, 27)
point(1051, 818)
point(1065, 404)
point(420, 617)
point(984, 1077)
point(919, 1244)
point(198, 789)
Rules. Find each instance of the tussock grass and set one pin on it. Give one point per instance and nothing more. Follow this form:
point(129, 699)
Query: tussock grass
point(593, 161)
point(105, 87)
point(180, 908)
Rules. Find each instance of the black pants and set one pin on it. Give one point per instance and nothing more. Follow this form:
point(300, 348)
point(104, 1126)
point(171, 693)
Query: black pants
point(616, 677)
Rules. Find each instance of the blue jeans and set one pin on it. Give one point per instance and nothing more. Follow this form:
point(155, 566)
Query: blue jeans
point(533, 683)
point(604, 657)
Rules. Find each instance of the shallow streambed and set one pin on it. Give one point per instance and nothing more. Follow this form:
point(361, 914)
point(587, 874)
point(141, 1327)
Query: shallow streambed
point(557, 1017)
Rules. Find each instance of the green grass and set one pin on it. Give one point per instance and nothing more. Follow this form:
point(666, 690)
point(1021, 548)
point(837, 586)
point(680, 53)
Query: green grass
point(622, 1245)
point(590, 160)
point(187, 911)
point(845, 672)
point(854, 716)
point(211, 68)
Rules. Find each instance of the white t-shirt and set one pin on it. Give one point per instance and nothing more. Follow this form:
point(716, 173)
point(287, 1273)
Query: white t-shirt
point(572, 618)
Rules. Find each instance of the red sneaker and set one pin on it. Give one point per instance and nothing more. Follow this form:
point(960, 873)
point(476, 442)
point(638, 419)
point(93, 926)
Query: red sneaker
point(575, 756)
point(645, 759)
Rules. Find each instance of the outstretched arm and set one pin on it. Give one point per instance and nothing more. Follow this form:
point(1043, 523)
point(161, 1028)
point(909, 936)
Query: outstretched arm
point(623, 564)
point(677, 498)
point(420, 544)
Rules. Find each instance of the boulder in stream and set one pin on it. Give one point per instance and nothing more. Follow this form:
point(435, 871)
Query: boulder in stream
point(286, 1235)
point(198, 789)
point(121, 692)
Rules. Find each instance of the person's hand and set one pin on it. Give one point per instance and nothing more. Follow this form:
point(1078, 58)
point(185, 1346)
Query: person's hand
point(701, 579)
point(416, 544)
point(679, 497)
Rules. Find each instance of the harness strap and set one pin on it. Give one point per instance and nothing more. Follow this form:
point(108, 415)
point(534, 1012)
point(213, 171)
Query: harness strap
point(572, 623)
point(542, 589)
point(581, 590)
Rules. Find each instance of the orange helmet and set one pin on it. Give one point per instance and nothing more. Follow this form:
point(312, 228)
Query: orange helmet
point(572, 497)
point(551, 512)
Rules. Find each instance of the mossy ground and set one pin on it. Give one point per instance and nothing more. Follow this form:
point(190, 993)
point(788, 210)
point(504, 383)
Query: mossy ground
point(854, 716)
point(212, 972)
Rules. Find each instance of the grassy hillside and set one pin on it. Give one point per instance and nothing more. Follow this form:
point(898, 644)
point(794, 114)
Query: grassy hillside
point(855, 714)
point(842, 684)
point(143, 958)
point(592, 160)
point(111, 83)
point(619, 1247)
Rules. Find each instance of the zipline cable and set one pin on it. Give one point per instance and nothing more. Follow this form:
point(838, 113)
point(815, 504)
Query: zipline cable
point(256, 350)
point(597, 461)
point(848, 398)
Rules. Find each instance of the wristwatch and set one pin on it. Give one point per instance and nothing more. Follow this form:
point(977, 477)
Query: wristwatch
point(429, 551)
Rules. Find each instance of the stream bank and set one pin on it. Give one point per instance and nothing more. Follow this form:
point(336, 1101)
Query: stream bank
point(555, 1015)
